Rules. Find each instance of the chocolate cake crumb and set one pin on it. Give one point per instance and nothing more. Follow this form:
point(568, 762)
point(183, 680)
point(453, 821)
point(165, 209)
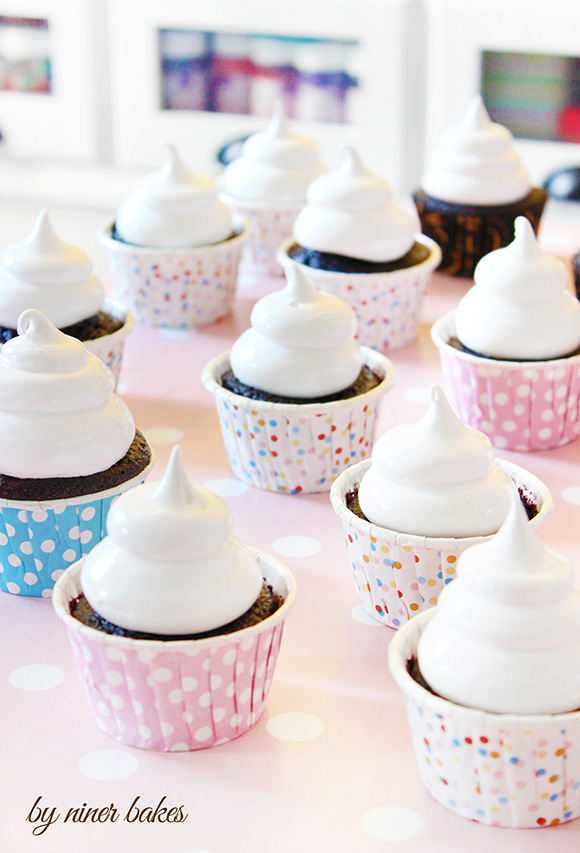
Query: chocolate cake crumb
point(417, 254)
point(456, 344)
point(366, 381)
point(94, 327)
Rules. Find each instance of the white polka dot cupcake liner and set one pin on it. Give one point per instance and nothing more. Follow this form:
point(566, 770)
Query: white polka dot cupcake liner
point(519, 405)
point(509, 770)
point(270, 225)
point(180, 695)
point(40, 540)
point(388, 305)
point(294, 448)
point(398, 575)
point(178, 288)
point(110, 348)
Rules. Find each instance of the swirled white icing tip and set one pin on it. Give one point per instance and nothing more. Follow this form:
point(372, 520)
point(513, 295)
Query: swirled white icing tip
point(476, 115)
point(279, 127)
point(524, 235)
point(175, 490)
point(298, 289)
point(173, 169)
point(351, 163)
point(440, 420)
point(41, 348)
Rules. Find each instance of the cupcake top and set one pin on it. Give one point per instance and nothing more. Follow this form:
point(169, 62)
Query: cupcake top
point(520, 307)
point(45, 273)
point(505, 637)
point(174, 209)
point(59, 416)
point(476, 163)
point(170, 564)
point(436, 477)
point(350, 212)
point(301, 343)
point(275, 165)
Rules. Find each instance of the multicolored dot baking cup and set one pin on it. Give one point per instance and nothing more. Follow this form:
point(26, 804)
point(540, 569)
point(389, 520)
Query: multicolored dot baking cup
point(270, 225)
point(178, 288)
point(519, 405)
point(110, 348)
point(387, 304)
point(180, 695)
point(293, 448)
point(40, 540)
point(510, 770)
point(398, 575)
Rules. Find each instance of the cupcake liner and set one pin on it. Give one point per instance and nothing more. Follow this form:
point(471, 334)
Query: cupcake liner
point(398, 575)
point(387, 304)
point(519, 405)
point(510, 770)
point(293, 448)
point(109, 348)
point(270, 225)
point(40, 539)
point(179, 695)
point(180, 288)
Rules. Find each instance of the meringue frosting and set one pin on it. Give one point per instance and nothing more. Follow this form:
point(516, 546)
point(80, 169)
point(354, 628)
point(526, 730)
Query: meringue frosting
point(476, 163)
point(59, 416)
point(519, 307)
point(45, 273)
point(301, 342)
point(505, 637)
point(170, 564)
point(174, 209)
point(436, 477)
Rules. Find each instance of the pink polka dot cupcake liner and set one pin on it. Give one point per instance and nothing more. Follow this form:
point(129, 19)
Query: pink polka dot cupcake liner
point(519, 405)
point(179, 288)
point(40, 540)
point(270, 225)
point(180, 695)
point(398, 575)
point(294, 448)
point(388, 305)
point(509, 770)
point(110, 348)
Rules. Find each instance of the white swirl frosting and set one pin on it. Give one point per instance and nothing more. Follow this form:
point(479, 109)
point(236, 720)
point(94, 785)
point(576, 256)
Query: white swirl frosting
point(476, 163)
point(436, 477)
point(301, 343)
point(350, 212)
point(45, 273)
point(275, 165)
point(59, 416)
point(170, 564)
point(520, 307)
point(174, 209)
point(505, 636)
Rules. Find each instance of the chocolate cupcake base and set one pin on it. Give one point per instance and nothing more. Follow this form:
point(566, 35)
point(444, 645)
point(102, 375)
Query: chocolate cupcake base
point(365, 381)
point(417, 254)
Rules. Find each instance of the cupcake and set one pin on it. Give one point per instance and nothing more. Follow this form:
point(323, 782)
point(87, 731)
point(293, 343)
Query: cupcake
point(492, 683)
point(431, 490)
point(173, 249)
point(175, 623)
point(56, 278)
point(68, 447)
point(510, 352)
point(267, 185)
point(354, 242)
point(473, 190)
point(297, 397)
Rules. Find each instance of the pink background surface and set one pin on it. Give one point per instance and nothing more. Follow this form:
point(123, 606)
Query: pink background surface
point(351, 766)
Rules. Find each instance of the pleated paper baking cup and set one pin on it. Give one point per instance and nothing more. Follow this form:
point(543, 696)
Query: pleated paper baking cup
point(293, 448)
point(387, 304)
point(179, 288)
point(39, 540)
point(178, 695)
point(398, 575)
point(509, 770)
point(270, 225)
point(519, 405)
point(110, 348)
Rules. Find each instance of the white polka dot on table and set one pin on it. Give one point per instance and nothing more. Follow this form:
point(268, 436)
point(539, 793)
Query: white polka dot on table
point(359, 614)
point(107, 765)
point(36, 676)
point(571, 495)
point(295, 726)
point(420, 394)
point(168, 332)
point(296, 546)
point(392, 823)
point(163, 434)
point(226, 487)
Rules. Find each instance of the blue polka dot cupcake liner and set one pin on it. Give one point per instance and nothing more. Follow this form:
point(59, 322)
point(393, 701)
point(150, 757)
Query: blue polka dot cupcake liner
point(509, 770)
point(270, 225)
point(398, 575)
point(110, 348)
point(296, 448)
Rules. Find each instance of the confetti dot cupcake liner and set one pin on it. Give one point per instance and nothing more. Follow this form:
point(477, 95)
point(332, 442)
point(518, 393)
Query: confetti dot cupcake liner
point(387, 304)
point(179, 695)
point(179, 288)
point(514, 771)
point(270, 226)
point(519, 405)
point(398, 575)
point(293, 448)
point(110, 348)
point(40, 540)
